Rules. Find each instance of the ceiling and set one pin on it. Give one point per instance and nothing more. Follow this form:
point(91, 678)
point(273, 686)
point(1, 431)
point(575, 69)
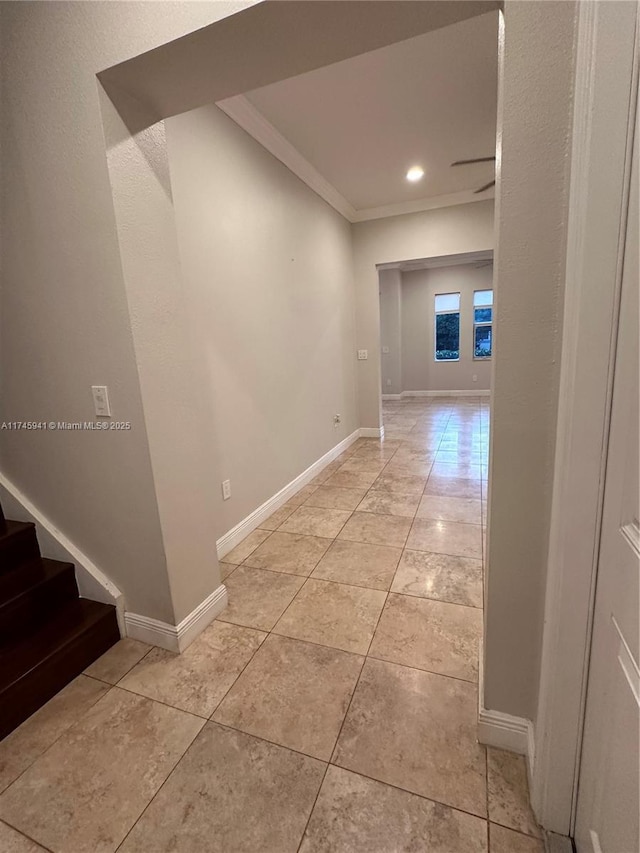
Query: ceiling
point(361, 123)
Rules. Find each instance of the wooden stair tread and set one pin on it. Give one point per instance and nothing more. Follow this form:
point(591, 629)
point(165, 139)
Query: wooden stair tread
point(48, 635)
point(67, 625)
point(11, 528)
point(23, 578)
point(18, 545)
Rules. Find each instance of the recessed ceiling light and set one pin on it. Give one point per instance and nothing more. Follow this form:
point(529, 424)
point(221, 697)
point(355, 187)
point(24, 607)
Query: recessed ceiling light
point(415, 173)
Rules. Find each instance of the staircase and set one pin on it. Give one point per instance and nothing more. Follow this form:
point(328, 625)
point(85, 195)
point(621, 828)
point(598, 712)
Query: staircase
point(48, 634)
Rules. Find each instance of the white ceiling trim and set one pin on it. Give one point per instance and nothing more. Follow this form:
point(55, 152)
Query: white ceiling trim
point(250, 119)
point(438, 261)
point(244, 114)
point(450, 200)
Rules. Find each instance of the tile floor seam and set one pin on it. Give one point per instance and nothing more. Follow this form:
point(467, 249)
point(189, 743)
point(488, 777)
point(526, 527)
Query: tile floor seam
point(332, 763)
point(269, 741)
point(287, 637)
point(159, 701)
point(124, 675)
point(161, 786)
point(513, 829)
point(62, 734)
point(460, 425)
point(422, 669)
point(24, 835)
point(430, 598)
point(312, 534)
point(427, 598)
point(323, 645)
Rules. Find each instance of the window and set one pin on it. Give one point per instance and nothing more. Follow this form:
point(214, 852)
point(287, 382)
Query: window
point(482, 323)
point(447, 336)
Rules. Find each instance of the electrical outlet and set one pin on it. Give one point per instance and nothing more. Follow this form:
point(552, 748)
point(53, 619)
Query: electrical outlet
point(337, 419)
point(226, 490)
point(475, 377)
point(101, 405)
point(363, 354)
point(385, 350)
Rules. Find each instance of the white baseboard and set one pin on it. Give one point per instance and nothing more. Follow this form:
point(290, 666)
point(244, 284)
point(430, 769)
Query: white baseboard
point(92, 582)
point(233, 537)
point(176, 638)
point(515, 734)
point(504, 731)
point(482, 392)
point(392, 396)
point(372, 432)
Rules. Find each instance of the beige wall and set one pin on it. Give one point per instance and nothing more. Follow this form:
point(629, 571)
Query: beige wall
point(90, 297)
point(420, 371)
point(65, 316)
point(431, 233)
point(531, 211)
point(391, 331)
point(267, 268)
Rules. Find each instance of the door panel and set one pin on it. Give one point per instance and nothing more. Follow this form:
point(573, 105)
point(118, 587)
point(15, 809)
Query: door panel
point(608, 804)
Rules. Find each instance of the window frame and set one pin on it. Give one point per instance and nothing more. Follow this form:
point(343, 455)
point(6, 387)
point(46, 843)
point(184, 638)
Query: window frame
point(436, 313)
point(480, 324)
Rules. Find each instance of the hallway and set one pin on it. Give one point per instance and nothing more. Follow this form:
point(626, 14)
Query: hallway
point(333, 704)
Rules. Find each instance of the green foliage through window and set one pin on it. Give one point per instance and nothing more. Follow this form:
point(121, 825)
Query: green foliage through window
point(448, 336)
point(482, 315)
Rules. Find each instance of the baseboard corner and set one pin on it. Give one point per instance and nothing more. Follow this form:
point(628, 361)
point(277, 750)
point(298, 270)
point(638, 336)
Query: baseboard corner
point(505, 731)
point(176, 638)
point(371, 432)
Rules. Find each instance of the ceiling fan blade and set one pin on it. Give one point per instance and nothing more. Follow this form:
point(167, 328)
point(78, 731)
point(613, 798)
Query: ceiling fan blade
point(485, 187)
point(476, 160)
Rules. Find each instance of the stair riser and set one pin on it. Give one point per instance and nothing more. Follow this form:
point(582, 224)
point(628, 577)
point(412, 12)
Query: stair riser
point(25, 612)
point(22, 698)
point(18, 549)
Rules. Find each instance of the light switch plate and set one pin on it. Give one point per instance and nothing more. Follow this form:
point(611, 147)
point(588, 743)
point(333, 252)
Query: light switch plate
point(101, 405)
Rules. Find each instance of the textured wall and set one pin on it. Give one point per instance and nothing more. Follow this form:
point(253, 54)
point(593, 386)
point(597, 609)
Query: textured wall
point(65, 316)
point(267, 265)
point(391, 331)
point(535, 111)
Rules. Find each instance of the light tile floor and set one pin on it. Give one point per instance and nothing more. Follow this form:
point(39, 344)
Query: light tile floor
point(331, 707)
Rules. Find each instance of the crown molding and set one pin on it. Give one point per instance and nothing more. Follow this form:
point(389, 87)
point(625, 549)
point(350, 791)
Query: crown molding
point(420, 204)
point(242, 111)
point(250, 119)
point(438, 261)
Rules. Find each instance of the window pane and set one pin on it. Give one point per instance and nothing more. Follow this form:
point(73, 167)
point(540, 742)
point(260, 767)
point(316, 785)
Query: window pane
point(482, 298)
point(482, 343)
point(482, 315)
point(447, 302)
point(447, 337)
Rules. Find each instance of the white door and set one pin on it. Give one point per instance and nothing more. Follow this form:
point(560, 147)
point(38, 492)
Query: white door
point(608, 801)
